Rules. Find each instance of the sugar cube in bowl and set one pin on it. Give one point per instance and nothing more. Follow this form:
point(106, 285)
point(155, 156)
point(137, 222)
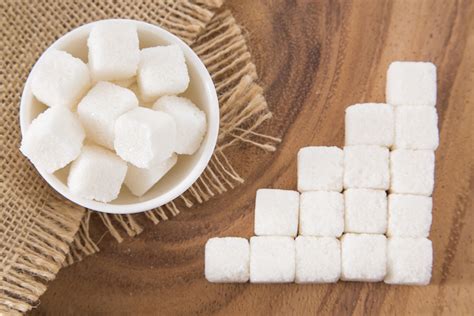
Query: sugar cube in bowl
point(188, 168)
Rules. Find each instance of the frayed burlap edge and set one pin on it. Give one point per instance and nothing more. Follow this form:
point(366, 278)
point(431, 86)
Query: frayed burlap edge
point(223, 49)
point(37, 226)
point(33, 252)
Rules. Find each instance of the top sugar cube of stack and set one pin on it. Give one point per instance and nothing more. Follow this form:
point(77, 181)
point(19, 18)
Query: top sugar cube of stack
point(320, 168)
point(162, 71)
point(227, 259)
point(276, 212)
point(411, 83)
point(113, 50)
point(59, 79)
point(369, 124)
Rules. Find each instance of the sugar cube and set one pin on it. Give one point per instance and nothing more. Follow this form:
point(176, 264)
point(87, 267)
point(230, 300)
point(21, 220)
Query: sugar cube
point(145, 137)
point(59, 79)
point(409, 261)
point(227, 259)
point(412, 171)
point(409, 215)
point(321, 214)
point(53, 139)
point(365, 211)
point(140, 180)
point(101, 107)
point(318, 259)
point(272, 259)
point(114, 52)
point(162, 71)
point(370, 124)
point(366, 167)
point(320, 168)
point(363, 257)
point(190, 122)
point(97, 174)
point(416, 127)
point(411, 83)
point(276, 212)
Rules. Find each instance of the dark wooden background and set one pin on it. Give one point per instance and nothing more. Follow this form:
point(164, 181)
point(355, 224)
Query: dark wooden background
point(314, 58)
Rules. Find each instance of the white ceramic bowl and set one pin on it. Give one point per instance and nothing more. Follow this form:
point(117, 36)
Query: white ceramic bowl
point(201, 91)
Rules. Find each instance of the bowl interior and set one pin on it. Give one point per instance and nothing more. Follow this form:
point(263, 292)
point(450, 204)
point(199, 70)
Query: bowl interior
point(188, 168)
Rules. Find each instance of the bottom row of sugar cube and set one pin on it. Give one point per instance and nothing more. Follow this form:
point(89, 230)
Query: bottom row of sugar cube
point(356, 257)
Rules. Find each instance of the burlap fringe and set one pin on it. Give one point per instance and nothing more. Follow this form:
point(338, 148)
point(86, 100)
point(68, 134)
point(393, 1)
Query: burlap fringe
point(186, 19)
point(33, 258)
point(223, 50)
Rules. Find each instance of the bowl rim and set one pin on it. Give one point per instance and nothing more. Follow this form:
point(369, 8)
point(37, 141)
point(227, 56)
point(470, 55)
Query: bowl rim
point(196, 170)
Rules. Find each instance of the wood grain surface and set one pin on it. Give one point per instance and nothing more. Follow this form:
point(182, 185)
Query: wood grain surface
point(314, 58)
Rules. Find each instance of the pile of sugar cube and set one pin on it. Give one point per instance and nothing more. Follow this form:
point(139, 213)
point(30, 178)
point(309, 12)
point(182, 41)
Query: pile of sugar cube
point(360, 234)
point(117, 119)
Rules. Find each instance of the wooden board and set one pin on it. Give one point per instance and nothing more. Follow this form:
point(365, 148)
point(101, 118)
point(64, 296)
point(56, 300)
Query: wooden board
point(315, 58)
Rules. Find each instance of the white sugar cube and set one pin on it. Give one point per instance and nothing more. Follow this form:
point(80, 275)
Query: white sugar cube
point(53, 139)
point(411, 83)
point(97, 174)
point(272, 259)
point(412, 171)
point(59, 79)
point(416, 127)
point(190, 122)
point(140, 180)
point(321, 214)
point(366, 167)
point(320, 168)
point(370, 124)
point(409, 261)
point(276, 212)
point(365, 211)
point(318, 259)
point(101, 107)
point(145, 137)
point(162, 71)
point(409, 215)
point(227, 259)
point(363, 257)
point(113, 50)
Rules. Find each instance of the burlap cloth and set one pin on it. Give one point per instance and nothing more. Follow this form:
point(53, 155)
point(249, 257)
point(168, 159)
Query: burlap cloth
point(39, 230)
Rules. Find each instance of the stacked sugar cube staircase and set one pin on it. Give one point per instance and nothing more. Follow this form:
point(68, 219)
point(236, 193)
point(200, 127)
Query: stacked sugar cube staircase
point(362, 213)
